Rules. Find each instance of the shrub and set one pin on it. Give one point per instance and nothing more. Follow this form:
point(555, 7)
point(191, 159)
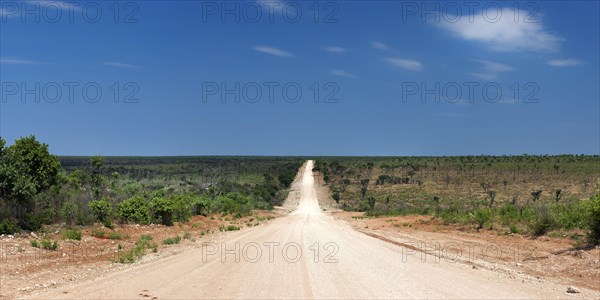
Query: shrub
point(569, 216)
point(513, 228)
point(108, 224)
point(163, 210)
point(182, 207)
point(45, 244)
point(98, 234)
point(9, 227)
point(593, 219)
point(134, 209)
point(229, 228)
point(509, 214)
point(286, 179)
point(542, 221)
point(480, 217)
point(139, 250)
point(172, 240)
point(201, 205)
point(101, 209)
point(69, 234)
point(114, 236)
point(145, 237)
point(69, 212)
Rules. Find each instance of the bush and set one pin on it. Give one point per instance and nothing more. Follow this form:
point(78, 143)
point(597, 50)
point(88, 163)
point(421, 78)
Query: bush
point(69, 212)
point(234, 203)
point(45, 244)
point(172, 240)
point(108, 224)
point(163, 210)
point(593, 219)
point(569, 216)
point(286, 179)
point(101, 209)
point(509, 214)
point(480, 217)
point(134, 209)
point(182, 207)
point(71, 234)
point(114, 236)
point(542, 221)
point(229, 228)
point(143, 243)
point(201, 205)
point(9, 227)
point(98, 234)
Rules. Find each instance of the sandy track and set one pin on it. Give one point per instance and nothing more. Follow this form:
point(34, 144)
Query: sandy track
point(353, 265)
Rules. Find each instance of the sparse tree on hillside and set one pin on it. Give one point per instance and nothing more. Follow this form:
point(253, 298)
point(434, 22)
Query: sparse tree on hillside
point(364, 186)
point(492, 195)
point(96, 163)
point(558, 195)
point(535, 195)
point(336, 197)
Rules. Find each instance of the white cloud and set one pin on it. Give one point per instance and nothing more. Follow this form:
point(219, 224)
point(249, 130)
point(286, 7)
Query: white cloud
point(490, 69)
point(341, 73)
point(567, 62)
point(492, 66)
point(273, 51)
point(503, 33)
point(118, 64)
point(334, 49)
point(3, 12)
point(380, 45)
point(17, 61)
point(407, 64)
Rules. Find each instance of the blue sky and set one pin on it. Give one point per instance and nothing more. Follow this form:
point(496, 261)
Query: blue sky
point(372, 63)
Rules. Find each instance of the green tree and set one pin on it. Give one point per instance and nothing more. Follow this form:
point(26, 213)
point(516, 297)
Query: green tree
point(26, 169)
point(97, 180)
point(35, 161)
point(2, 144)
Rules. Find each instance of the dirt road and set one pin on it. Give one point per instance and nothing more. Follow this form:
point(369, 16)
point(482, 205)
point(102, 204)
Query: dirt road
point(306, 254)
